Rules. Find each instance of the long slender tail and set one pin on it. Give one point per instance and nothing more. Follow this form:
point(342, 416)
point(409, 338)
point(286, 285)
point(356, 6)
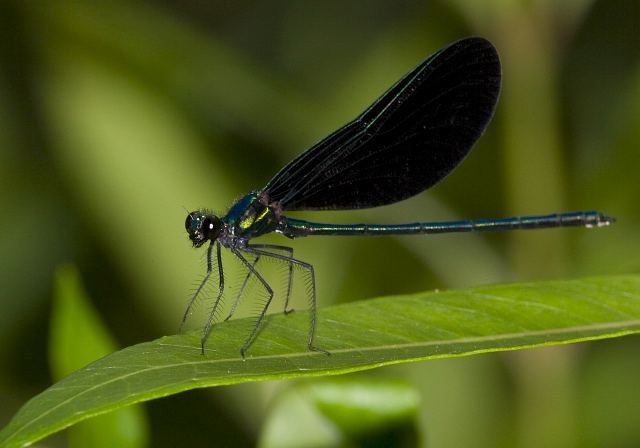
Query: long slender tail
point(299, 228)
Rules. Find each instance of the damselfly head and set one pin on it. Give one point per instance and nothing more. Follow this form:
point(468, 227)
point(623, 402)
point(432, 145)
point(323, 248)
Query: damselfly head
point(202, 227)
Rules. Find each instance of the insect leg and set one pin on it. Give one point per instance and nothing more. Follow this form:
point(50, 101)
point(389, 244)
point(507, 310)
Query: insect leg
point(207, 327)
point(256, 251)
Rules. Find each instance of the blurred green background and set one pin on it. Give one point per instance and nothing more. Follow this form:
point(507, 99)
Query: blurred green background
point(115, 116)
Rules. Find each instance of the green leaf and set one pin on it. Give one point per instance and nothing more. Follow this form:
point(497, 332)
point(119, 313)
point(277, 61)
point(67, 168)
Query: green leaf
point(360, 336)
point(339, 412)
point(77, 337)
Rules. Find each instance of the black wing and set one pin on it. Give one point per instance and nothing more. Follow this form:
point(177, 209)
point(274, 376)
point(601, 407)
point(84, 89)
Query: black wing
point(407, 141)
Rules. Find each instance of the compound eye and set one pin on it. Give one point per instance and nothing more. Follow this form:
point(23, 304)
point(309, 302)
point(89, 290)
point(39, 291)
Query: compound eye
point(211, 227)
point(189, 222)
point(202, 227)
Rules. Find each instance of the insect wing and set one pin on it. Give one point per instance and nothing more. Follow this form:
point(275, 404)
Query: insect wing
point(407, 141)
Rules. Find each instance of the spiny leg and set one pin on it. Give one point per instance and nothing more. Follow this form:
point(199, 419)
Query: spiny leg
point(221, 290)
point(289, 258)
point(266, 306)
point(204, 282)
point(244, 284)
point(252, 250)
point(286, 249)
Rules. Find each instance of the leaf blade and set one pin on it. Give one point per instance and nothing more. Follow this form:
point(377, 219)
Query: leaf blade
point(78, 336)
point(360, 335)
